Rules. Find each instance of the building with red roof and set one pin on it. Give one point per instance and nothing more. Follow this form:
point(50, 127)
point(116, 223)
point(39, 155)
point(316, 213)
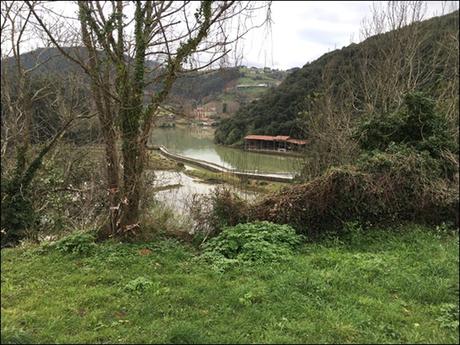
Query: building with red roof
point(279, 143)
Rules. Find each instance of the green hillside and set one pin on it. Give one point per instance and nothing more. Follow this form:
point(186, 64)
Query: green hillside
point(219, 85)
point(225, 89)
point(338, 73)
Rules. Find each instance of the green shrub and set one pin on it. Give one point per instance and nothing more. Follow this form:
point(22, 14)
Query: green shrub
point(17, 216)
point(17, 212)
point(77, 243)
point(407, 172)
point(228, 208)
point(403, 160)
point(416, 125)
point(156, 220)
point(449, 316)
point(212, 213)
point(65, 189)
point(251, 242)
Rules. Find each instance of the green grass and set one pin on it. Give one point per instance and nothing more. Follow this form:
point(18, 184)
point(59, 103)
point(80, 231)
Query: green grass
point(158, 162)
point(255, 79)
point(378, 288)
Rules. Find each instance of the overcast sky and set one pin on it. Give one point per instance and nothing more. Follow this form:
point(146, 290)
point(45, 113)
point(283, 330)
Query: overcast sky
point(302, 31)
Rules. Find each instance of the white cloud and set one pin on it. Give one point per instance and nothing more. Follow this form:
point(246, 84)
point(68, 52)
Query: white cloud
point(304, 30)
point(301, 32)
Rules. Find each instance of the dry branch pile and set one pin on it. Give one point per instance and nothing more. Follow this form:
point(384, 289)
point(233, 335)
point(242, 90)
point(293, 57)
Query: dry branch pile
point(347, 194)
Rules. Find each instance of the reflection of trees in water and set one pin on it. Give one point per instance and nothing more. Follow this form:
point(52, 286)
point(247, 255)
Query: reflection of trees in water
point(181, 139)
point(200, 141)
point(202, 133)
point(250, 161)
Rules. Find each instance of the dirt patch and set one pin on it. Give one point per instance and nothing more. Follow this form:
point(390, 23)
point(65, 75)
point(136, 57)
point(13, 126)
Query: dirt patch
point(145, 251)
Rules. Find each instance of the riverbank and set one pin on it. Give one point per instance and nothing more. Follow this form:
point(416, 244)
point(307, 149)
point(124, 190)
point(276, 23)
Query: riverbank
point(245, 184)
point(158, 162)
point(380, 287)
point(198, 144)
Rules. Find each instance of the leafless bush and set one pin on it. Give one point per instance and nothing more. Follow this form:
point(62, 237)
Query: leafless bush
point(210, 213)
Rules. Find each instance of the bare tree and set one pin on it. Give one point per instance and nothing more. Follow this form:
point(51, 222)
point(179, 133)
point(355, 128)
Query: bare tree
point(398, 56)
point(15, 128)
point(328, 119)
point(21, 90)
point(394, 62)
point(118, 59)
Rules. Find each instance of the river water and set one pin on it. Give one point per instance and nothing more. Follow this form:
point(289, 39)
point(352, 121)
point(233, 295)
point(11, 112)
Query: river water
point(198, 143)
point(180, 196)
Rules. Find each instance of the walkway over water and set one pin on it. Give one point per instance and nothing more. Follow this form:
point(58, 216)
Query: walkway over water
point(278, 177)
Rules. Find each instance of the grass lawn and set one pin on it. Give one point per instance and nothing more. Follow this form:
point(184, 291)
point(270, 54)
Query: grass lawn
point(379, 288)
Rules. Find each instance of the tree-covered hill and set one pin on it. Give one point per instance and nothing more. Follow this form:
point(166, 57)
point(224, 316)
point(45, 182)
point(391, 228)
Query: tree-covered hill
point(197, 87)
point(421, 57)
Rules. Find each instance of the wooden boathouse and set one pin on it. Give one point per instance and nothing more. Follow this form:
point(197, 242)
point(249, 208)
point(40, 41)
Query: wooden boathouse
point(280, 143)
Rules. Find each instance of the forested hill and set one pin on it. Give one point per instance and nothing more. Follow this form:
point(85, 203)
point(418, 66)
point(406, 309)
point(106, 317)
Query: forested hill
point(49, 61)
point(340, 73)
point(195, 87)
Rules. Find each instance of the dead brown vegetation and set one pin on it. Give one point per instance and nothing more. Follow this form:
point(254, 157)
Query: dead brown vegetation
point(348, 194)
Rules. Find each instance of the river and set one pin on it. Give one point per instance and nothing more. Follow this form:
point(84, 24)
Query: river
point(198, 143)
point(180, 196)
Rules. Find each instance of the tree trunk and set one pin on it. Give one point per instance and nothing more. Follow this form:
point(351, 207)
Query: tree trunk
point(131, 110)
point(113, 183)
point(132, 174)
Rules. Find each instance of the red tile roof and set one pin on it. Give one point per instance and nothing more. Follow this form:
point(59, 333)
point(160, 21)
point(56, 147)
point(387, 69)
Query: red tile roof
point(297, 141)
point(267, 137)
point(277, 138)
point(259, 137)
point(281, 138)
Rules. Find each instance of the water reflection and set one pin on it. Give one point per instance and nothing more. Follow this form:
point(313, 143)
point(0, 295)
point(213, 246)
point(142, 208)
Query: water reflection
point(179, 198)
point(197, 142)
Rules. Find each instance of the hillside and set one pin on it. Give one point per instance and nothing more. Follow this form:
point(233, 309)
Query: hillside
point(222, 91)
point(339, 74)
point(233, 86)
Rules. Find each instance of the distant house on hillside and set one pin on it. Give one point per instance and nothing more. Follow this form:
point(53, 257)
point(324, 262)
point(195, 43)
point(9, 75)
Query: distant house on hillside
point(241, 86)
point(280, 143)
point(204, 113)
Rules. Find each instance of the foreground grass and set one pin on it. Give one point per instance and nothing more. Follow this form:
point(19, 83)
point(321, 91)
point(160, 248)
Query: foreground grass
point(383, 287)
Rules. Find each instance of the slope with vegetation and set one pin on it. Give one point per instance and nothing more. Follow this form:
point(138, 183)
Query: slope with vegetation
point(358, 79)
point(407, 171)
point(215, 85)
